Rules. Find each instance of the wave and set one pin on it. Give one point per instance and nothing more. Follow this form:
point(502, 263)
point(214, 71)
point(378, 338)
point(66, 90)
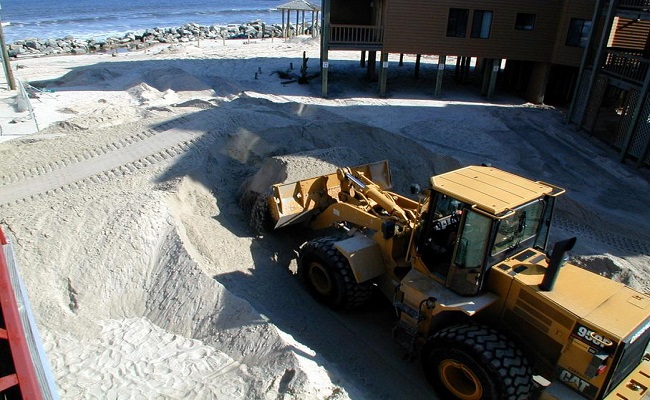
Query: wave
point(112, 23)
point(64, 21)
point(163, 15)
point(6, 23)
point(236, 11)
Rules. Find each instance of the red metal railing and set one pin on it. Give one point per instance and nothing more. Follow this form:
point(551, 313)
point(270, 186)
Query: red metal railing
point(24, 376)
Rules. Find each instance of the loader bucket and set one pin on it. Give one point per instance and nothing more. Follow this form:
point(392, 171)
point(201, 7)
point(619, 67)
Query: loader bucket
point(296, 202)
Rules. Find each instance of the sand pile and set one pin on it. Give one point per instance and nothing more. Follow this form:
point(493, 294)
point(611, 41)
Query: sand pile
point(144, 275)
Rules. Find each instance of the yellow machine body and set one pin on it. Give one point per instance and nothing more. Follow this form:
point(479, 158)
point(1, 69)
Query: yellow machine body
point(575, 330)
point(584, 333)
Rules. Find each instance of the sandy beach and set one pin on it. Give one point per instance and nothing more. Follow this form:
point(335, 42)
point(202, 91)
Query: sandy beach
point(143, 273)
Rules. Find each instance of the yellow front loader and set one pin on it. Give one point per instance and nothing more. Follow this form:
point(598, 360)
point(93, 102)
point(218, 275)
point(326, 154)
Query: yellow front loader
point(490, 313)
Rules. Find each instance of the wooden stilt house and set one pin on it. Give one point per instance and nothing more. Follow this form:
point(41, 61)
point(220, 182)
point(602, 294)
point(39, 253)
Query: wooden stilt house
point(534, 46)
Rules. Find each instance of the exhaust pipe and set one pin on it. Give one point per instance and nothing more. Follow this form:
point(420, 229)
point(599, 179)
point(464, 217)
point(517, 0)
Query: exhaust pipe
point(555, 263)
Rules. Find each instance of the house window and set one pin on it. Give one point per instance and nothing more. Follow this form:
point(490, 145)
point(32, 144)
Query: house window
point(457, 22)
point(481, 24)
point(579, 30)
point(525, 22)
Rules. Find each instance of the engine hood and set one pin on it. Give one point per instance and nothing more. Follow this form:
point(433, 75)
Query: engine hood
point(610, 305)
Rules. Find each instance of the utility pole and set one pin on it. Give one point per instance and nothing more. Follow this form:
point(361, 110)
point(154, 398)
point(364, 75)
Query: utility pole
point(5, 57)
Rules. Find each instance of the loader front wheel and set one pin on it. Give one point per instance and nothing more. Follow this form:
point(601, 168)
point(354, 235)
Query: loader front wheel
point(328, 276)
point(473, 362)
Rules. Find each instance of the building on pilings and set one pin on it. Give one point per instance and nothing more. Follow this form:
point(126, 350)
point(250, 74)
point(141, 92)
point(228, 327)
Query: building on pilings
point(533, 47)
point(612, 101)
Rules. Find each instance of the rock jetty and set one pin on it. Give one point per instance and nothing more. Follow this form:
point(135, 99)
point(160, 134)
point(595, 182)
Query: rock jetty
point(137, 41)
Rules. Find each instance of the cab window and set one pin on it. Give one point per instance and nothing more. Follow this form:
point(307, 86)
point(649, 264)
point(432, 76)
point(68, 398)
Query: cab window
point(519, 227)
point(438, 236)
point(445, 206)
point(473, 242)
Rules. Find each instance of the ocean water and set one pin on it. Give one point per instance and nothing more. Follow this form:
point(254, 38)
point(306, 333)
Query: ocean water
point(98, 19)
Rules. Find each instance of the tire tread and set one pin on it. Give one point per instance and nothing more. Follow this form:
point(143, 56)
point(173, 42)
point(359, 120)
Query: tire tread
point(492, 348)
point(355, 294)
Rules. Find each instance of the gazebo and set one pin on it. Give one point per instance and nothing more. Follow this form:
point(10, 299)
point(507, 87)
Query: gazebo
point(300, 7)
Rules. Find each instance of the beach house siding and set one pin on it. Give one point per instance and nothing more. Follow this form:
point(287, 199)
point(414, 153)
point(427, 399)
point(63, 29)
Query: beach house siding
point(419, 27)
point(629, 34)
point(408, 21)
point(564, 54)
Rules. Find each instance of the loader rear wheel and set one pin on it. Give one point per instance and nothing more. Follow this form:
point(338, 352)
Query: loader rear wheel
point(328, 276)
point(473, 362)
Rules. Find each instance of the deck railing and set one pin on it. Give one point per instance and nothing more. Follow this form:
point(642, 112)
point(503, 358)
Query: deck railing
point(358, 35)
point(634, 4)
point(626, 65)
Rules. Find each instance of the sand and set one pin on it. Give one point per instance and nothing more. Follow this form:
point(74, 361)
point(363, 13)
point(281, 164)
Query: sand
point(144, 275)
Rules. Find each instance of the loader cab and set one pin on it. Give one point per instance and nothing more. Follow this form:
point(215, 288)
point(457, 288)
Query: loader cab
point(439, 233)
point(452, 244)
point(464, 234)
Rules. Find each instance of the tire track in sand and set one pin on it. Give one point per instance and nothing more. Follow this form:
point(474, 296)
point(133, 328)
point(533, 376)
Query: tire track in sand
point(107, 163)
point(85, 154)
point(613, 239)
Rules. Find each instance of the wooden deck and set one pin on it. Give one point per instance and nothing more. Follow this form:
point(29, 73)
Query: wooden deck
point(356, 37)
point(626, 65)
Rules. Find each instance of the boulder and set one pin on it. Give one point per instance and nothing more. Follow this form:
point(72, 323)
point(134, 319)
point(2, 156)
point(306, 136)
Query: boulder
point(32, 44)
point(186, 33)
point(16, 50)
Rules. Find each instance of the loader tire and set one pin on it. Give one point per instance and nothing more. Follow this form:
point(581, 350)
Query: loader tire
point(473, 362)
point(328, 276)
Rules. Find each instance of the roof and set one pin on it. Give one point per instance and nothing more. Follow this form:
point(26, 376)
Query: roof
point(299, 5)
point(490, 189)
